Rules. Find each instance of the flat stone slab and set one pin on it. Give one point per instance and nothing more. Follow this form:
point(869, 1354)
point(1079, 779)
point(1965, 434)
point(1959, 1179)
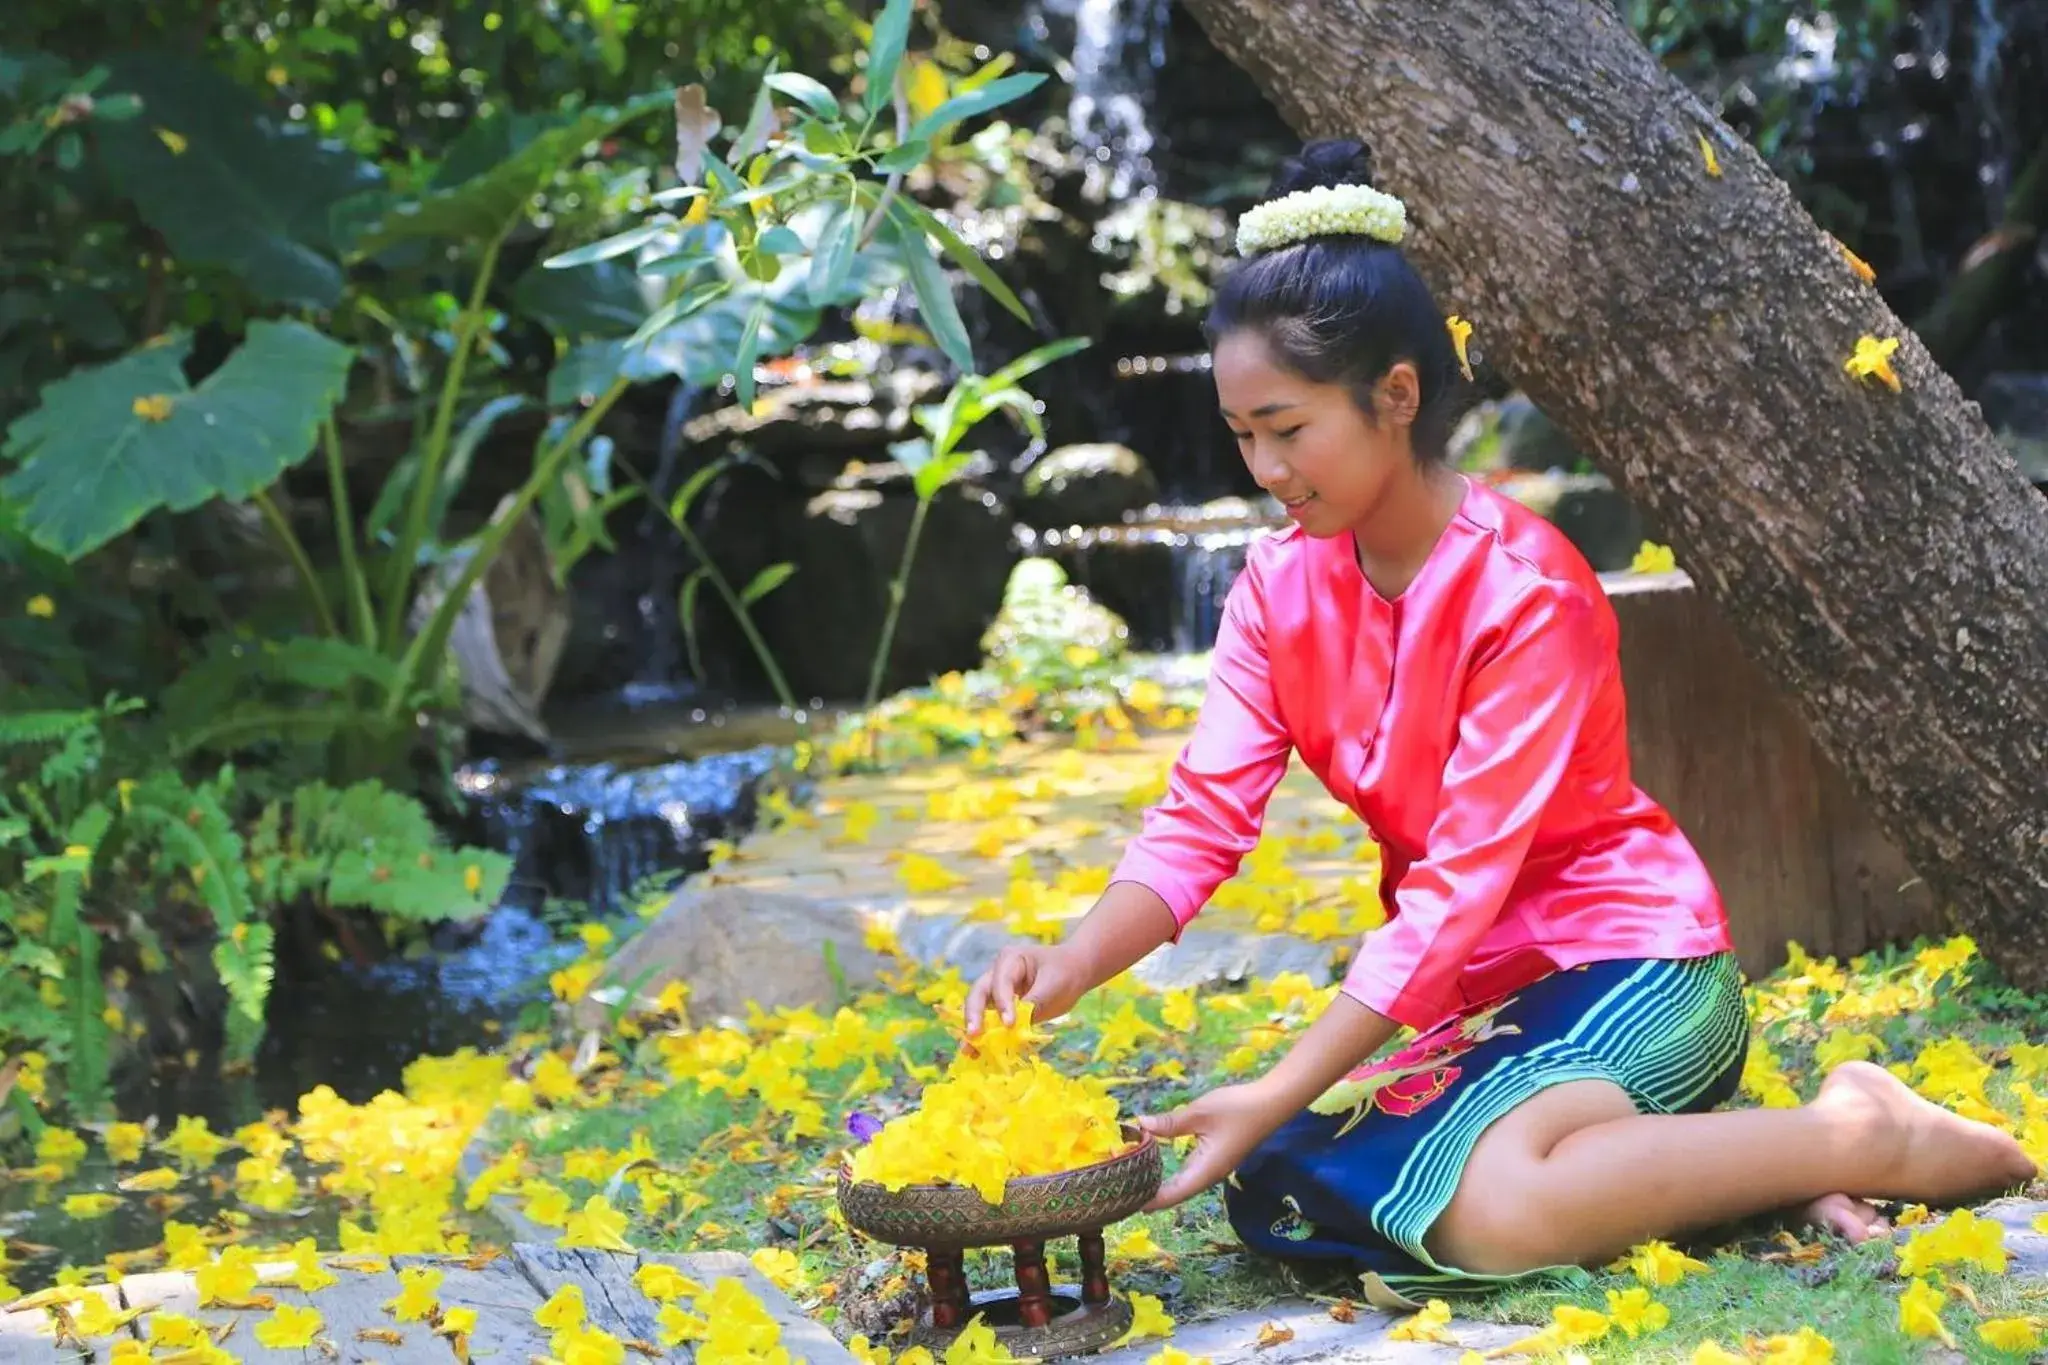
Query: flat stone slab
point(2026, 1250)
point(505, 1291)
point(1317, 1337)
point(1202, 957)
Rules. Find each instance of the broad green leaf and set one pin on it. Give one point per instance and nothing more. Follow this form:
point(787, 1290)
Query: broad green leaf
point(617, 245)
point(934, 294)
point(907, 157)
point(699, 349)
point(885, 52)
point(249, 192)
point(933, 475)
point(765, 582)
point(833, 256)
point(114, 442)
point(977, 101)
point(968, 258)
point(684, 305)
point(605, 299)
point(810, 93)
point(780, 240)
point(491, 175)
point(763, 109)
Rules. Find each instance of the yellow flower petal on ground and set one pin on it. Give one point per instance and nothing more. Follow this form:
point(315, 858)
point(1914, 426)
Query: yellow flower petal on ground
point(662, 1283)
point(290, 1328)
point(1431, 1324)
point(418, 1294)
point(96, 1204)
point(563, 1309)
point(597, 1224)
point(2011, 1334)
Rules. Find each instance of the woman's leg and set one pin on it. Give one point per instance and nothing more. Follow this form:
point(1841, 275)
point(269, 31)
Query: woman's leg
point(1576, 1176)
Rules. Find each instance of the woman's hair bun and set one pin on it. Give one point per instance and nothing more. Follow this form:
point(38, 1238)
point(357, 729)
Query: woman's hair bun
point(1327, 161)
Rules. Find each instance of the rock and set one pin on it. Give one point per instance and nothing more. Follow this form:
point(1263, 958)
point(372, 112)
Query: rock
point(736, 944)
point(1042, 616)
point(1085, 485)
point(828, 415)
point(509, 635)
point(846, 544)
point(1530, 440)
point(2015, 406)
point(1592, 513)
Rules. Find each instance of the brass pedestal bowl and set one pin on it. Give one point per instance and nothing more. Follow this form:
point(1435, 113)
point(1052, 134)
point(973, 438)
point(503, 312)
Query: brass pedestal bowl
point(1036, 1318)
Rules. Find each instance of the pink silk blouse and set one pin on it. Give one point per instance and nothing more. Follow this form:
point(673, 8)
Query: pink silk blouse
point(1476, 724)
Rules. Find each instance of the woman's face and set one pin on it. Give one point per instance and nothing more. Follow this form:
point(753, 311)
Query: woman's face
point(1308, 444)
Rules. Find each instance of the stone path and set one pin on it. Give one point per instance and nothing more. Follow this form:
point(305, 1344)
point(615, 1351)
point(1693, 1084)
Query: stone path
point(504, 1291)
point(1074, 814)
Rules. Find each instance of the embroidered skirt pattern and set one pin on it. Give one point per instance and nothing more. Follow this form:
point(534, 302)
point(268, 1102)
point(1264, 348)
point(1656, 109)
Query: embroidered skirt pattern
point(1366, 1184)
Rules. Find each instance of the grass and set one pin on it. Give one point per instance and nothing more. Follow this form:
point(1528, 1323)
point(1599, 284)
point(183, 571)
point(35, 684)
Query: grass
point(732, 1167)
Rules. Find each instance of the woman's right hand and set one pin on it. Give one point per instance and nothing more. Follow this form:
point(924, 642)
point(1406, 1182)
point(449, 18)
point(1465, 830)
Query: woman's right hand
point(1046, 976)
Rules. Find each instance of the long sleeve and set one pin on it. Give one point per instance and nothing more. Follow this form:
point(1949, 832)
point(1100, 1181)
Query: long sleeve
point(1521, 711)
point(1192, 841)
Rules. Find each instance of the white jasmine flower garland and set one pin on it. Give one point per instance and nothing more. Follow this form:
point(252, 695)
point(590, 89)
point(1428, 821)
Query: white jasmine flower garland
point(1355, 209)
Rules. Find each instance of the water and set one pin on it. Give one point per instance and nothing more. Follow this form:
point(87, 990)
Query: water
point(593, 833)
point(1118, 50)
point(1166, 573)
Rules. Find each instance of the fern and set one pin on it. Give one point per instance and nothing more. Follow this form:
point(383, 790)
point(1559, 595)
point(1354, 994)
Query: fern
point(195, 833)
point(246, 959)
point(241, 693)
point(21, 729)
point(370, 848)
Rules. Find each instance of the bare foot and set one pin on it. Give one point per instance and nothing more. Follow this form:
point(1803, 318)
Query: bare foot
point(1938, 1157)
point(1853, 1220)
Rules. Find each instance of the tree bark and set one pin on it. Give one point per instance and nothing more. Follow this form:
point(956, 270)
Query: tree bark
point(1879, 554)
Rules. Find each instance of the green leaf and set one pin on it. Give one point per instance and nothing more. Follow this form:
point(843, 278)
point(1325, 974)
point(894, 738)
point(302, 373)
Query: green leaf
point(906, 157)
point(833, 257)
point(682, 306)
point(765, 582)
point(491, 175)
point(970, 259)
point(780, 240)
point(885, 52)
point(686, 496)
point(1037, 359)
point(370, 848)
point(749, 350)
point(686, 612)
point(249, 193)
point(95, 457)
point(933, 475)
point(934, 294)
point(601, 300)
point(617, 245)
point(810, 93)
point(977, 101)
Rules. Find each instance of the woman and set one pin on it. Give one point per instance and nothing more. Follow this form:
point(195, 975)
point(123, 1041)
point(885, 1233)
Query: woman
point(1446, 663)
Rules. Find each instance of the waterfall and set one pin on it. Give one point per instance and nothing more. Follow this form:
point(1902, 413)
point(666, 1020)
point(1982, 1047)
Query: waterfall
point(1119, 48)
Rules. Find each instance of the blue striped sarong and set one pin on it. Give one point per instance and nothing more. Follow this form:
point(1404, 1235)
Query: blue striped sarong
point(1366, 1185)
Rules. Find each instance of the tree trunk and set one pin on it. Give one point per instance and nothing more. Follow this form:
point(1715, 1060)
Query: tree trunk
point(1878, 554)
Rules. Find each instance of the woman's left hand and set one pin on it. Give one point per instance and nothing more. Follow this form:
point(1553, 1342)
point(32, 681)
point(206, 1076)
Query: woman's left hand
point(1226, 1124)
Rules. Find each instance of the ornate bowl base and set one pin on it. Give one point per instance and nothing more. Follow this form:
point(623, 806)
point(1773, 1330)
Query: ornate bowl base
point(1075, 1328)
